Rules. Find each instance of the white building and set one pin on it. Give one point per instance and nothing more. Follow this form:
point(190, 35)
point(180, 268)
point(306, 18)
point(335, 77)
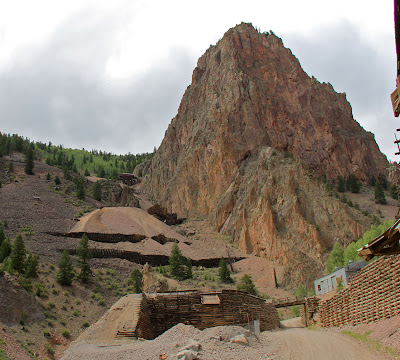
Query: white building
point(330, 282)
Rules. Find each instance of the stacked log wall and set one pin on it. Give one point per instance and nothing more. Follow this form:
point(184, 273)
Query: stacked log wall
point(235, 308)
point(373, 294)
point(151, 259)
point(309, 311)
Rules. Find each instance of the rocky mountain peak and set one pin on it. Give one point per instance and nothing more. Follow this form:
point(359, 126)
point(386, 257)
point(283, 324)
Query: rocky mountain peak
point(249, 94)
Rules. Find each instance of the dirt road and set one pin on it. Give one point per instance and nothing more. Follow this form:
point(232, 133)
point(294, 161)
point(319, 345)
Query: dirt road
point(298, 343)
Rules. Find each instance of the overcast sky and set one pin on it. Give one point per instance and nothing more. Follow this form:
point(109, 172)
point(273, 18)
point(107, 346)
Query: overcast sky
point(109, 75)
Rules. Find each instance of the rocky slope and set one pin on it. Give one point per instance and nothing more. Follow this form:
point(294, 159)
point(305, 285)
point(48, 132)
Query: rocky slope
point(249, 94)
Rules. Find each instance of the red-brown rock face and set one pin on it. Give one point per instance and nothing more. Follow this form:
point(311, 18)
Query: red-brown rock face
point(249, 94)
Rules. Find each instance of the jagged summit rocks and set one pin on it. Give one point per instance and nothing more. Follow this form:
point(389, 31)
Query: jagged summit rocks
point(250, 94)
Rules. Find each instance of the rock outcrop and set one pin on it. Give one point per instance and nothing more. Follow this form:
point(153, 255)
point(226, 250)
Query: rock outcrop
point(249, 95)
point(117, 193)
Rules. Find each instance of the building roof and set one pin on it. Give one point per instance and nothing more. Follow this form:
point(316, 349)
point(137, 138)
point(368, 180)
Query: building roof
point(386, 243)
point(350, 268)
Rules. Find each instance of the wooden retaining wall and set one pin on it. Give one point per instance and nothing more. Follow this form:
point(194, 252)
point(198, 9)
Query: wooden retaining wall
point(153, 260)
point(373, 294)
point(309, 311)
point(234, 308)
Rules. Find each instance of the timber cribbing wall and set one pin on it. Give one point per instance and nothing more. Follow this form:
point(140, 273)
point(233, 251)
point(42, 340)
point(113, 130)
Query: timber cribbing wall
point(235, 308)
point(151, 259)
point(373, 294)
point(309, 310)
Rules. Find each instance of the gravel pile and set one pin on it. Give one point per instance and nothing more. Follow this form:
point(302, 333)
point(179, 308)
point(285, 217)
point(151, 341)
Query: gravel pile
point(222, 342)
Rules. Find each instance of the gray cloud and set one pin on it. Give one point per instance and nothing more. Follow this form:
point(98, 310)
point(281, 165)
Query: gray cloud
point(59, 92)
point(339, 54)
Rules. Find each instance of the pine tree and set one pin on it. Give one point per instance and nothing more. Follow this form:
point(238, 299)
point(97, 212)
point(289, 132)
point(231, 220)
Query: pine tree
point(29, 161)
point(178, 264)
point(32, 266)
point(394, 192)
point(11, 167)
point(188, 273)
point(223, 272)
point(97, 191)
point(379, 194)
point(341, 185)
point(354, 185)
point(18, 254)
point(5, 249)
point(87, 173)
point(246, 284)
point(85, 274)
point(84, 256)
point(136, 279)
point(80, 188)
point(2, 236)
point(66, 272)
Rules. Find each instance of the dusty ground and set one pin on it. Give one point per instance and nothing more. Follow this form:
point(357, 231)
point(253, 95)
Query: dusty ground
point(304, 344)
point(292, 343)
point(124, 220)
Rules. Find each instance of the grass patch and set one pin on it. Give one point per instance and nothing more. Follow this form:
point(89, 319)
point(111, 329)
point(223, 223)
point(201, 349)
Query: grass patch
point(3, 355)
point(312, 327)
point(376, 345)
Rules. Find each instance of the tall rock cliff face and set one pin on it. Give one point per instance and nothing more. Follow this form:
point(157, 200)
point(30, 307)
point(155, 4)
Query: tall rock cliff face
point(248, 95)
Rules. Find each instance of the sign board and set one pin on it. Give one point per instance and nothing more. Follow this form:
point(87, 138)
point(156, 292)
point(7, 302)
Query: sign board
point(210, 299)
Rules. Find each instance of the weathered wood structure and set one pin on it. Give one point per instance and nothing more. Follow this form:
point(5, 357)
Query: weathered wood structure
point(387, 243)
point(151, 259)
point(373, 294)
point(161, 311)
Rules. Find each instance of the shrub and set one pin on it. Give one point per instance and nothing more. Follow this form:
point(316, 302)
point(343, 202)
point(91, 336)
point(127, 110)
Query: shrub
point(41, 291)
point(49, 348)
point(85, 324)
point(57, 180)
point(66, 333)
point(246, 284)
